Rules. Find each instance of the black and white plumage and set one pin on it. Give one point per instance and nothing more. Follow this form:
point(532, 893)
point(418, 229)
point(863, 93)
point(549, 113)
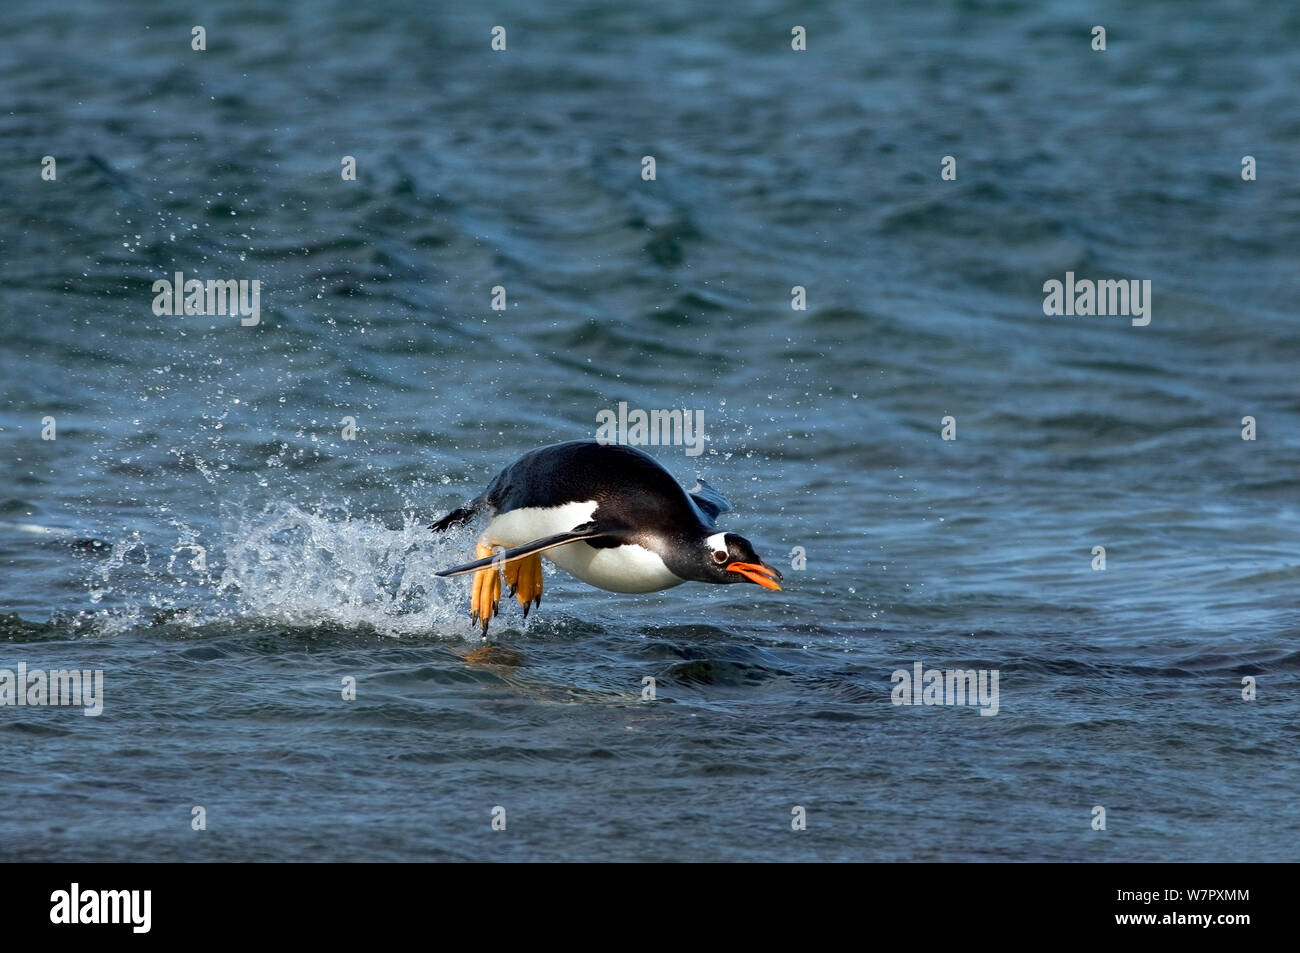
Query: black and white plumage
point(608, 514)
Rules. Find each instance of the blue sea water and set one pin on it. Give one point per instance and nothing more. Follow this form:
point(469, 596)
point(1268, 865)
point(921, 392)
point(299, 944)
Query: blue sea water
point(200, 530)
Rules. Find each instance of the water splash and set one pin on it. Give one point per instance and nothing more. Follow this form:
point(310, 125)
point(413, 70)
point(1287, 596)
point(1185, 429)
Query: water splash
point(297, 565)
point(289, 565)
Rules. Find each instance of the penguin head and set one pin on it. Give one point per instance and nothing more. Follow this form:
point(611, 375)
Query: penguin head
point(731, 558)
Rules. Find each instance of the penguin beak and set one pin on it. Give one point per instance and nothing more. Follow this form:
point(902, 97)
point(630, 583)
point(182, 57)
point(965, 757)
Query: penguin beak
point(761, 573)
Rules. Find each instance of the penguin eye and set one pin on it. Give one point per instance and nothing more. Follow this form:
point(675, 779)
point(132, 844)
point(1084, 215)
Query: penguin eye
point(719, 556)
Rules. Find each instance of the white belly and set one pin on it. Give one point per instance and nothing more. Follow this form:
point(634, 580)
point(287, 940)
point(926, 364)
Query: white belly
point(618, 569)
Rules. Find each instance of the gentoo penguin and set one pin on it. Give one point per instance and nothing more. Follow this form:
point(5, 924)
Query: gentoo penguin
point(606, 513)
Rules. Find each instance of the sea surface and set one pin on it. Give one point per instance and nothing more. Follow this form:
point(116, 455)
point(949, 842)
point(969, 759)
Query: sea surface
point(201, 529)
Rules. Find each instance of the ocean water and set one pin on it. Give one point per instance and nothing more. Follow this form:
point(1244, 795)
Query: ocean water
point(201, 531)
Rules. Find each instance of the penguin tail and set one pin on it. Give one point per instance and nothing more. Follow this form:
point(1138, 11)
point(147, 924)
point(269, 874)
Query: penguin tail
point(457, 517)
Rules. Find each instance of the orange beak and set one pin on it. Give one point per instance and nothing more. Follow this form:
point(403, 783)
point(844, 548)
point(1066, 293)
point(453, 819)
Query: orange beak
point(764, 575)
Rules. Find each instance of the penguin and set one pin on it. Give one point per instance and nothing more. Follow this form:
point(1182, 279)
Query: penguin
point(608, 514)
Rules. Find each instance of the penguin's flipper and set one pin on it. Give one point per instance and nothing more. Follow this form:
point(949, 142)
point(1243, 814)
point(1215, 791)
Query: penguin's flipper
point(585, 531)
point(709, 500)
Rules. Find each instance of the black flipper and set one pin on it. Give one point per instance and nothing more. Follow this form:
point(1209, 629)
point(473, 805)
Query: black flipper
point(585, 531)
point(709, 500)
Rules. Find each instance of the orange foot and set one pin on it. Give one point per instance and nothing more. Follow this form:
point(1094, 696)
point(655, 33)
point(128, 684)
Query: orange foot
point(485, 593)
point(524, 577)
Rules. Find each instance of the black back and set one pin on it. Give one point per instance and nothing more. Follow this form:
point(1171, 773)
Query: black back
point(630, 488)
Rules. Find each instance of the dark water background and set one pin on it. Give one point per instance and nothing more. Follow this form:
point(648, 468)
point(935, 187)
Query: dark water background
point(222, 676)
